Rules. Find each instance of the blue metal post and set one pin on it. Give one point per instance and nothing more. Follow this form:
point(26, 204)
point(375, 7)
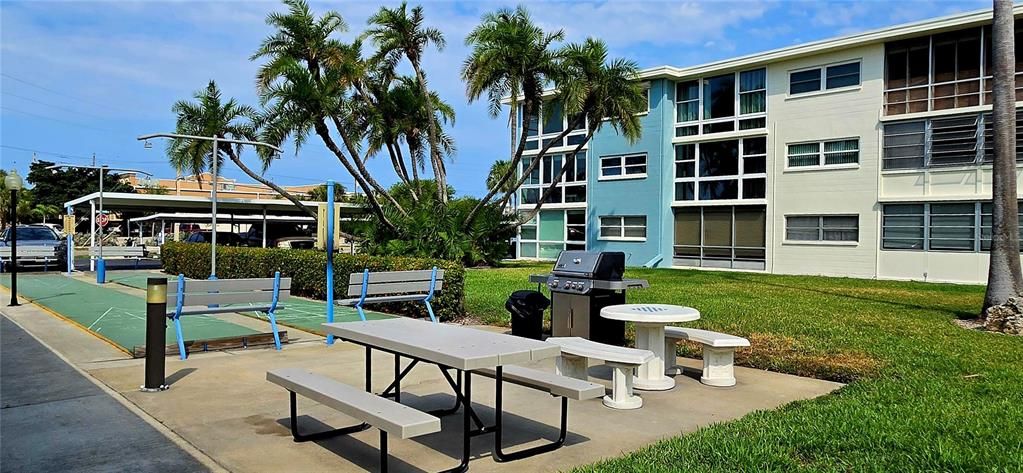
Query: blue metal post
point(177, 316)
point(330, 256)
point(271, 314)
point(70, 246)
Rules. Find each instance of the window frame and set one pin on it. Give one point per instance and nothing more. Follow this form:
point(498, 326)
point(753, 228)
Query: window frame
point(981, 145)
point(822, 84)
point(822, 154)
point(978, 227)
point(821, 229)
point(623, 167)
point(736, 119)
point(570, 180)
point(534, 143)
point(621, 226)
point(739, 177)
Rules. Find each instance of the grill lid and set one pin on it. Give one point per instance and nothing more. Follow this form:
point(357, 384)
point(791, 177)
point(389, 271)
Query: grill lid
point(606, 265)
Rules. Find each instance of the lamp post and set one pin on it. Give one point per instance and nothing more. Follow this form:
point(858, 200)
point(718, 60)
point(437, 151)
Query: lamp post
point(13, 183)
point(213, 196)
point(101, 266)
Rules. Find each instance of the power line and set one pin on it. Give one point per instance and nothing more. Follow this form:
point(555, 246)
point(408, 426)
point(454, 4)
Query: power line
point(58, 107)
point(9, 109)
point(57, 92)
point(77, 157)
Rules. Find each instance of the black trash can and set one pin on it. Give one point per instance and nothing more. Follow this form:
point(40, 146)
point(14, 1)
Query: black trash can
point(526, 309)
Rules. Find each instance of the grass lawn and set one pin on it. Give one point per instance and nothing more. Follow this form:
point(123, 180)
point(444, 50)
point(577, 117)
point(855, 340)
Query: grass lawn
point(924, 394)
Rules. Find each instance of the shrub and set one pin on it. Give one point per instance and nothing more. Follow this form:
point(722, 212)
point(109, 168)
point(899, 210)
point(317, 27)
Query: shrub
point(307, 270)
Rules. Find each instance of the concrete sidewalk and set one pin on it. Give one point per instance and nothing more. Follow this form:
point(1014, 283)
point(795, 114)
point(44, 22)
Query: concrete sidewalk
point(54, 419)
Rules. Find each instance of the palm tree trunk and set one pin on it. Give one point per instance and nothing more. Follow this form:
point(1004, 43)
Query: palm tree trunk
point(536, 162)
point(527, 109)
point(569, 162)
point(361, 166)
point(435, 157)
point(266, 182)
point(324, 133)
point(415, 169)
point(1004, 278)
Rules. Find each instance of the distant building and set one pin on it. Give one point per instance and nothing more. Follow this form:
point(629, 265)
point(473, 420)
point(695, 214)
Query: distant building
point(865, 155)
point(226, 188)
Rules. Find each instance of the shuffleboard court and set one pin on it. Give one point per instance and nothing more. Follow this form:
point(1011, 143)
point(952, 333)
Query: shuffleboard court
point(113, 315)
point(298, 312)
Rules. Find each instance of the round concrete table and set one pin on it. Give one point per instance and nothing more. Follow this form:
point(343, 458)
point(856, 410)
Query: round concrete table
point(650, 320)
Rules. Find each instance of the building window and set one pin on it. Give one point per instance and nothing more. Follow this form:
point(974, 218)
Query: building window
point(721, 237)
point(724, 103)
point(959, 140)
point(550, 232)
point(943, 71)
point(631, 166)
point(646, 96)
point(952, 226)
point(555, 123)
point(571, 189)
point(822, 228)
point(835, 76)
point(721, 170)
point(824, 153)
point(630, 228)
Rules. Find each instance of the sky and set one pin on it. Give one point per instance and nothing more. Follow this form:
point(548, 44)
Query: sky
point(84, 78)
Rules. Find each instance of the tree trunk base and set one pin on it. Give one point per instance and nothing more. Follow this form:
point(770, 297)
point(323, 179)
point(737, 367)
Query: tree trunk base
point(1005, 318)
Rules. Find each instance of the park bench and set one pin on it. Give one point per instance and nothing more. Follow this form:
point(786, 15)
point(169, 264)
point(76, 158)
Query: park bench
point(29, 254)
point(219, 296)
point(718, 353)
point(574, 362)
point(122, 252)
point(393, 286)
point(371, 410)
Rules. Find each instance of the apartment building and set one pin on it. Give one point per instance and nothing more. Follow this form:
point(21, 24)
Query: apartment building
point(865, 156)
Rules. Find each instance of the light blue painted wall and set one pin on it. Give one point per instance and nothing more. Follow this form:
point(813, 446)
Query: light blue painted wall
point(650, 196)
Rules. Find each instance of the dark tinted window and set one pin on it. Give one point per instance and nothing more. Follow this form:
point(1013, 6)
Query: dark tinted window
point(34, 233)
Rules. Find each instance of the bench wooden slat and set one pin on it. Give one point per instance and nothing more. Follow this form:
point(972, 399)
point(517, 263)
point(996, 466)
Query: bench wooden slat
point(227, 285)
point(204, 310)
point(372, 289)
point(396, 276)
point(221, 298)
point(29, 250)
point(706, 337)
point(382, 413)
point(552, 383)
point(582, 347)
point(121, 251)
point(382, 299)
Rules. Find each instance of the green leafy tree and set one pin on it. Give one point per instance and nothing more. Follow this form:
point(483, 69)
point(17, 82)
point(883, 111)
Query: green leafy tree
point(497, 171)
point(210, 115)
point(56, 186)
point(319, 193)
point(398, 32)
point(511, 57)
point(1004, 276)
point(25, 203)
point(44, 211)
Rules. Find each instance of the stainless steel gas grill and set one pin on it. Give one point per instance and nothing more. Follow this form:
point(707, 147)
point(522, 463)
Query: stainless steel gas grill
point(581, 284)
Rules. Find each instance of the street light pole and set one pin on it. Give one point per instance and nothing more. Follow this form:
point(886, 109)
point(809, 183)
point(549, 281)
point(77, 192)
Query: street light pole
point(213, 197)
point(13, 183)
point(101, 267)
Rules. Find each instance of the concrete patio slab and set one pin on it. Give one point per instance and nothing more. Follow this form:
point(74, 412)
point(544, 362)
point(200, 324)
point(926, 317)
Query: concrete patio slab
point(221, 404)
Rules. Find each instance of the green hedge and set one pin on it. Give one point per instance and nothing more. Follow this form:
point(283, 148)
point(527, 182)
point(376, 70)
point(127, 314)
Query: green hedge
point(307, 270)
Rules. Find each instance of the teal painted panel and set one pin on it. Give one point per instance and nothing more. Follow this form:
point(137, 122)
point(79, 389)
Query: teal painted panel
point(552, 225)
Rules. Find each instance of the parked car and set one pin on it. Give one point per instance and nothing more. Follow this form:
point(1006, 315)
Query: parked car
point(223, 238)
point(274, 231)
point(37, 235)
point(296, 243)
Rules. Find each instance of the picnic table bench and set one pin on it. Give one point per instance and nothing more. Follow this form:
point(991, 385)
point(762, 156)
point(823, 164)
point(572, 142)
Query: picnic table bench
point(219, 296)
point(574, 362)
point(393, 286)
point(718, 353)
point(468, 351)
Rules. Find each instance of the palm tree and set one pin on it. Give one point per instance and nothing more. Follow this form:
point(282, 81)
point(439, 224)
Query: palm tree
point(511, 57)
point(42, 211)
point(605, 93)
point(1004, 278)
point(209, 115)
point(306, 82)
point(397, 34)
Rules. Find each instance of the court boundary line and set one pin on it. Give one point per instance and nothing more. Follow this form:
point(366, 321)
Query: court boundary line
point(73, 322)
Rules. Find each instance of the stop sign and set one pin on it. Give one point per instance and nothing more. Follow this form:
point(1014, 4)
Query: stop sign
point(103, 220)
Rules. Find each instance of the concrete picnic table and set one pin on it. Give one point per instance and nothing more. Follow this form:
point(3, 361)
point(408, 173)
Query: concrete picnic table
point(650, 320)
point(455, 347)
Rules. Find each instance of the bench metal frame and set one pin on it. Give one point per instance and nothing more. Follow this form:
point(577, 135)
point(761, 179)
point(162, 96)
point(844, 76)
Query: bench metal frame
point(35, 254)
point(426, 298)
point(270, 310)
point(110, 252)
